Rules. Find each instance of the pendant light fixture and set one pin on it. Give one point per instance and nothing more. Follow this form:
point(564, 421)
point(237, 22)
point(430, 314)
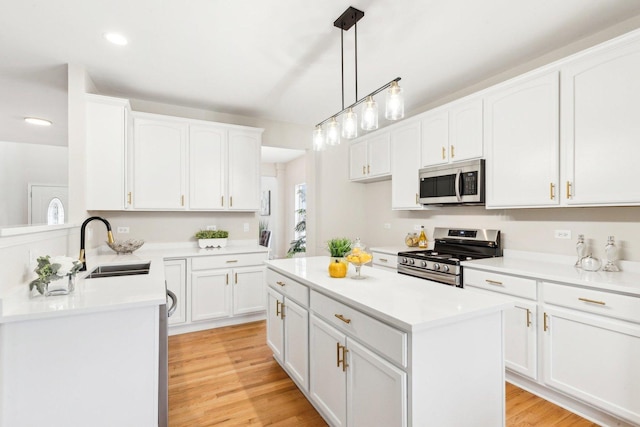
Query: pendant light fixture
point(394, 105)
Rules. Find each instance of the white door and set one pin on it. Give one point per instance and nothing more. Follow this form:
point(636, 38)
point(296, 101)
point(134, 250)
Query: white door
point(207, 167)
point(376, 390)
point(435, 138)
point(275, 323)
point(520, 338)
point(244, 170)
point(358, 160)
point(210, 294)
point(405, 163)
point(327, 382)
point(296, 342)
point(248, 290)
point(48, 204)
point(522, 139)
point(175, 273)
point(379, 152)
point(465, 130)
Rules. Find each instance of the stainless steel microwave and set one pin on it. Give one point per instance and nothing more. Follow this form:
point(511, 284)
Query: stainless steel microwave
point(459, 183)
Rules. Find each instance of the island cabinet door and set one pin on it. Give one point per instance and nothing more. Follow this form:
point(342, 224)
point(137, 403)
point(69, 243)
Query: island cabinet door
point(275, 323)
point(595, 359)
point(328, 371)
point(296, 342)
point(376, 390)
point(210, 294)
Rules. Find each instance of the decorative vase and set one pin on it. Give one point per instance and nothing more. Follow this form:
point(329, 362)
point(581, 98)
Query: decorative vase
point(64, 286)
point(212, 243)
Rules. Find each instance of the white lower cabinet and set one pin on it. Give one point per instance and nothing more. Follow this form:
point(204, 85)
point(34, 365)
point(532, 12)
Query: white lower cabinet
point(175, 274)
point(384, 261)
point(351, 384)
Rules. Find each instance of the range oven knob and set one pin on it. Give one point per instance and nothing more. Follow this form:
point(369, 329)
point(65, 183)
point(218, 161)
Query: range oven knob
point(445, 268)
point(423, 263)
point(404, 261)
point(412, 261)
point(436, 266)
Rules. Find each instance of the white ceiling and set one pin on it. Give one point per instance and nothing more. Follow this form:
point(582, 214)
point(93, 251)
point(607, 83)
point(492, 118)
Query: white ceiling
point(275, 59)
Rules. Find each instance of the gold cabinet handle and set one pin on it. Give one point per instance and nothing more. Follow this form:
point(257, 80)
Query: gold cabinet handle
point(342, 359)
point(453, 153)
point(227, 278)
point(493, 282)
point(383, 260)
point(592, 301)
point(278, 308)
point(280, 283)
point(282, 315)
point(344, 319)
point(222, 201)
point(345, 365)
point(230, 201)
point(364, 170)
point(568, 189)
point(231, 261)
point(129, 197)
point(235, 279)
point(552, 193)
point(528, 317)
point(417, 201)
point(368, 169)
point(444, 152)
point(338, 354)
point(182, 200)
point(546, 322)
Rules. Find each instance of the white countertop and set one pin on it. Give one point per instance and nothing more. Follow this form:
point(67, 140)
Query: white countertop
point(543, 268)
point(108, 293)
point(393, 250)
point(408, 303)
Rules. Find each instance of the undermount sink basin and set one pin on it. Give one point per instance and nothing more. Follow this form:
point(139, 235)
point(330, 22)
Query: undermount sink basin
point(119, 270)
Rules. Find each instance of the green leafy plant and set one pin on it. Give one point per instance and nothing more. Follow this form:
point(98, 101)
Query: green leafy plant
point(339, 247)
point(212, 234)
point(55, 268)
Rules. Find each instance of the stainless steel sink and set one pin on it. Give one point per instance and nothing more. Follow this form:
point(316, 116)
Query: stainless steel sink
point(119, 270)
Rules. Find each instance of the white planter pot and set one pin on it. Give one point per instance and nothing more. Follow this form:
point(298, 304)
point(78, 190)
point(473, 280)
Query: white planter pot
point(212, 243)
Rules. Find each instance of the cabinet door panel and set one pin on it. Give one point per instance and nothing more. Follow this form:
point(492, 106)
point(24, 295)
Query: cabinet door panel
point(465, 130)
point(210, 294)
point(601, 99)
point(435, 138)
point(520, 339)
point(159, 164)
point(379, 153)
point(207, 167)
point(275, 324)
point(358, 160)
point(175, 273)
point(594, 360)
point(522, 138)
point(244, 170)
point(248, 290)
point(296, 332)
point(376, 390)
point(405, 163)
point(327, 382)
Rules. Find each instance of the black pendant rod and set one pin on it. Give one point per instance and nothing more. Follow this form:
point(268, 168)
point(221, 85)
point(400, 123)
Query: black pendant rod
point(356, 57)
point(342, 63)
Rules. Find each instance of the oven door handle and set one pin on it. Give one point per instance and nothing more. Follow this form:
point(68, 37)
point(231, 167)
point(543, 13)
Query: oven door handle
point(457, 185)
point(174, 303)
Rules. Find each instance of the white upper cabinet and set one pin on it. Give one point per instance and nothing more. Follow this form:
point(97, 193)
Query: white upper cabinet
point(522, 143)
point(405, 163)
point(207, 167)
point(107, 134)
point(369, 158)
point(159, 163)
point(600, 126)
point(244, 170)
point(452, 133)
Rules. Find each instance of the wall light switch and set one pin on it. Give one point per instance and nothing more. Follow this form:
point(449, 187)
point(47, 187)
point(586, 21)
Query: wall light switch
point(212, 227)
point(416, 227)
point(123, 230)
point(386, 226)
point(563, 234)
point(246, 227)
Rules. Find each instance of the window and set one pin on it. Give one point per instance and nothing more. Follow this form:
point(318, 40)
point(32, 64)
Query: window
point(299, 243)
point(55, 212)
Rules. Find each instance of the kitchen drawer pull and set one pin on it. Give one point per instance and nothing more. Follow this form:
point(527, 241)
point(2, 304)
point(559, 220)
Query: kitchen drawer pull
point(278, 308)
point(552, 193)
point(368, 169)
point(443, 152)
point(222, 201)
point(546, 322)
point(453, 153)
point(280, 283)
point(129, 197)
point(182, 200)
point(592, 301)
point(342, 360)
point(235, 281)
point(227, 278)
point(493, 282)
point(230, 201)
point(528, 317)
point(568, 189)
point(231, 260)
point(383, 260)
point(364, 170)
point(282, 315)
point(344, 319)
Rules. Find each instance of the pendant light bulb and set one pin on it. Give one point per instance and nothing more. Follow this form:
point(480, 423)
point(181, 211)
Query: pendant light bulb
point(369, 114)
point(333, 132)
point(318, 139)
point(350, 124)
point(394, 109)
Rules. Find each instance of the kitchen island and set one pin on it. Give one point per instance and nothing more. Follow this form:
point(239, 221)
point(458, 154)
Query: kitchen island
point(387, 350)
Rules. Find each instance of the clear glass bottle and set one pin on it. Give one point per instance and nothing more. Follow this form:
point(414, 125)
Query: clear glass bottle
point(422, 240)
point(610, 255)
point(581, 250)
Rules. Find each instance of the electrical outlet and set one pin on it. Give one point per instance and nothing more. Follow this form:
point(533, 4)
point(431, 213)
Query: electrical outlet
point(386, 226)
point(246, 227)
point(212, 227)
point(563, 234)
point(416, 227)
point(123, 230)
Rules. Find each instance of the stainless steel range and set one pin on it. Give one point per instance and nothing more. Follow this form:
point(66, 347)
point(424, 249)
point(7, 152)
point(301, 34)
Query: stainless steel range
point(452, 245)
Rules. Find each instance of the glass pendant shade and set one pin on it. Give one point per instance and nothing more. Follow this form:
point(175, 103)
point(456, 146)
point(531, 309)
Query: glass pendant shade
point(369, 114)
point(394, 109)
point(350, 124)
point(333, 132)
point(318, 139)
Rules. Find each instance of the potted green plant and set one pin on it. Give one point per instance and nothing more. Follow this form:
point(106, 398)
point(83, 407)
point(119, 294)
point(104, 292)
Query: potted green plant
point(212, 238)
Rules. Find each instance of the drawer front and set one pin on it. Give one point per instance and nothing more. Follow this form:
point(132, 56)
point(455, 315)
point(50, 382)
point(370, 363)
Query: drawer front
point(381, 337)
point(227, 261)
point(512, 285)
point(384, 260)
point(288, 287)
point(592, 301)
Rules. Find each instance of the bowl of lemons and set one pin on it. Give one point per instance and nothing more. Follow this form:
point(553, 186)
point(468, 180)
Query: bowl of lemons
point(359, 256)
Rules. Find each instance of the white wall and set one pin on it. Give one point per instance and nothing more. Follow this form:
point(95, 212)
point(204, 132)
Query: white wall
point(22, 164)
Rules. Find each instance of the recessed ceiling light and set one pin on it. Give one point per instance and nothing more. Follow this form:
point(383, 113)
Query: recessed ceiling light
point(37, 121)
point(116, 38)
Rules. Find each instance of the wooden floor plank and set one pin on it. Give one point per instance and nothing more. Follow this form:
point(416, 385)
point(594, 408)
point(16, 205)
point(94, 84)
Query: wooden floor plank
point(227, 377)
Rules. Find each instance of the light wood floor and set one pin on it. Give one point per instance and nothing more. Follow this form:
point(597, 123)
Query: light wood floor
point(227, 376)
